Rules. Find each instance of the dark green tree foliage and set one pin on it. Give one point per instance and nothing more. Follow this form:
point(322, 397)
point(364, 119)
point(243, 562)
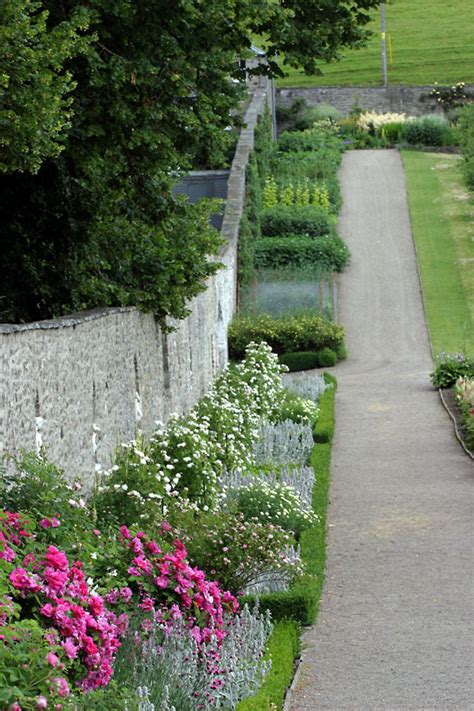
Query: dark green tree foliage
point(97, 224)
point(35, 89)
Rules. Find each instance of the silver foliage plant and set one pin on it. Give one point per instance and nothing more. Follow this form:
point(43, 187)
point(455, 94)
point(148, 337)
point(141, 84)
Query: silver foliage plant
point(175, 675)
point(300, 478)
point(309, 387)
point(284, 443)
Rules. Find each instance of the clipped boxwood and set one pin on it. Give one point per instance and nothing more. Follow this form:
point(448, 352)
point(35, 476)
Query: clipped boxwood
point(296, 220)
point(323, 430)
point(327, 253)
point(305, 360)
point(300, 332)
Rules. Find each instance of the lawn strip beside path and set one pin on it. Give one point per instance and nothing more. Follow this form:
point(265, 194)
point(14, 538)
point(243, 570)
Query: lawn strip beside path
point(441, 213)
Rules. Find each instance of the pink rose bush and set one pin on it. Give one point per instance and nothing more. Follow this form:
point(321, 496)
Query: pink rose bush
point(168, 587)
point(82, 630)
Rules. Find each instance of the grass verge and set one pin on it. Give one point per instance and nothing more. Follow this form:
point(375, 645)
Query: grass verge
point(299, 605)
point(430, 40)
point(440, 212)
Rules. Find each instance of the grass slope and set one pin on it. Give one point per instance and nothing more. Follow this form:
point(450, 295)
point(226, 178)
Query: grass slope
point(432, 40)
point(441, 217)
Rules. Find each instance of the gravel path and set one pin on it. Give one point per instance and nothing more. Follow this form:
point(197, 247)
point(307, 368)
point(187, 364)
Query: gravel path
point(396, 621)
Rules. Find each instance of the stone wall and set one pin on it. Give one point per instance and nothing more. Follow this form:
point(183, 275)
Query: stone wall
point(401, 99)
point(81, 384)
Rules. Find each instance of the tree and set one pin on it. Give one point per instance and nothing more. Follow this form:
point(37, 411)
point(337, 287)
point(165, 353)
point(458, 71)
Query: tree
point(35, 89)
point(97, 225)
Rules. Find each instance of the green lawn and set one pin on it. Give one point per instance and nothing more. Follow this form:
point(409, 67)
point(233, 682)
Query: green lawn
point(441, 215)
point(432, 40)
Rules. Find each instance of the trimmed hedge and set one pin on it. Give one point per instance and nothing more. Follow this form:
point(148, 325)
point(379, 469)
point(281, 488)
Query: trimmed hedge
point(296, 220)
point(326, 253)
point(323, 431)
point(302, 332)
point(306, 360)
point(283, 648)
point(301, 602)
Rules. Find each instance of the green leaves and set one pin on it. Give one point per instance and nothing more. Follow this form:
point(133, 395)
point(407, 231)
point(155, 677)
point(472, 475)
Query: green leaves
point(35, 88)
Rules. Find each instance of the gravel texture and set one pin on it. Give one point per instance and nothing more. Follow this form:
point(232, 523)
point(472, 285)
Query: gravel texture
point(395, 630)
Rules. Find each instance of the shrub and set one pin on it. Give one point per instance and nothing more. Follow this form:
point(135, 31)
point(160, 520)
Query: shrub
point(305, 360)
point(327, 253)
point(392, 132)
point(318, 165)
point(304, 332)
point(296, 408)
point(323, 135)
point(466, 139)
point(313, 114)
point(464, 394)
point(372, 122)
point(293, 220)
point(451, 367)
point(276, 503)
point(238, 552)
point(428, 131)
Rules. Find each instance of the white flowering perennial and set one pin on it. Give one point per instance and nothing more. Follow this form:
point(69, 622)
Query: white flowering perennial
point(285, 442)
point(372, 120)
point(300, 478)
point(186, 457)
point(276, 503)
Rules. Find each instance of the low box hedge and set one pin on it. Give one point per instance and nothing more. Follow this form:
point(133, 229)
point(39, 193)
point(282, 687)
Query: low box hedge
point(306, 220)
point(327, 253)
point(301, 332)
point(306, 360)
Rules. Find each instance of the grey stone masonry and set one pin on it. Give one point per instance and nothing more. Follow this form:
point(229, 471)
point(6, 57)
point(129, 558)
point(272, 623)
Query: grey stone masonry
point(399, 99)
point(81, 384)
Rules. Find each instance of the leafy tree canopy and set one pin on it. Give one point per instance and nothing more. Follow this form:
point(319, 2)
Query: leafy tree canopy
point(105, 103)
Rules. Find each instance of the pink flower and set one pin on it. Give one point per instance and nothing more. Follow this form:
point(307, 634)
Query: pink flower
point(52, 659)
point(152, 547)
point(7, 554)
point(162, 582)
point(52, 522)
point(56, 559)
point(62, 686)
point(23, 580)
point(126, 594)
point(136, 545)
point(147, 604)
point(125, 532)
point(96, 604)
point(70, 648)
point(41, 702)
point(56, 580)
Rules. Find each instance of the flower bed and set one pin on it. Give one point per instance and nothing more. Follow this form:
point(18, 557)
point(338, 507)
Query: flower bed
point(134, 596)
